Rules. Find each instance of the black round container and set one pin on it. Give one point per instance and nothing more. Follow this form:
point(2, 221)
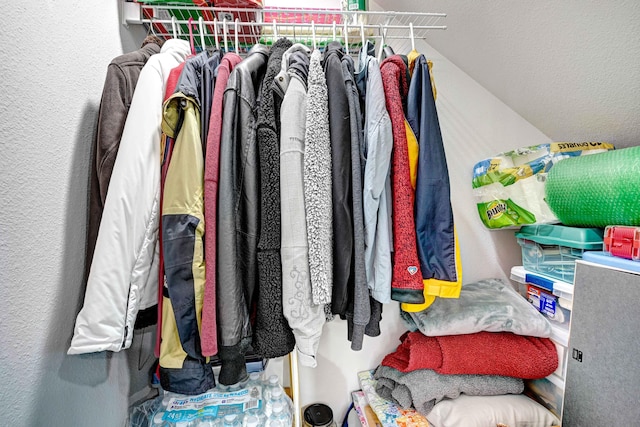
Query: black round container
point(318, 415)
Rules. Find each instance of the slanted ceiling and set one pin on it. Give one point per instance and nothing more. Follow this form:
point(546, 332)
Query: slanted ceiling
point(571, 68)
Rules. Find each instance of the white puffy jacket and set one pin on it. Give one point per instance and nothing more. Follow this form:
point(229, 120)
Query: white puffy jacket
point(124, 271)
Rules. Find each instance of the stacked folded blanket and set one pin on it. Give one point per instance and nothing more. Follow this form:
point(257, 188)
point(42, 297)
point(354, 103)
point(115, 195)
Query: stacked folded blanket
point(423, 388)
point(482, 344)
point(486, 353)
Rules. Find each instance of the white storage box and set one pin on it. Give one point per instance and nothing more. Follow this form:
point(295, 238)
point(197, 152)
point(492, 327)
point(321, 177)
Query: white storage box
point(553, 298)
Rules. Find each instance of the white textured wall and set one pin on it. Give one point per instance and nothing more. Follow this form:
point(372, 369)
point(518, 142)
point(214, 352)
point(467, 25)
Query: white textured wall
point(53, 62)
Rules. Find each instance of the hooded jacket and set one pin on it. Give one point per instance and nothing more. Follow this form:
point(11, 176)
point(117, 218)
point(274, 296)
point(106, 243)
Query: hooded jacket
point(340, 132)
point(272, 336)
point(406, 284)
point(437, 244)
point(305, 318)
point(209, 335)
point(183, 369)
point(124, 271)
point(238, 214)
point(119, 85)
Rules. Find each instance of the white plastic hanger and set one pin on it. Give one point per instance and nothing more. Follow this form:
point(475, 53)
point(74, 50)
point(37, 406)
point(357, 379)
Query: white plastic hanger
point(362, 35)
point(236, 36)
point(224, 34)
point(215, 32)
point(413, 42)
point(201, 27)
point(275, 31)
point(173, 27)
point(334, 30)
point(381, 44)
point(345, 33)
point(313, 34)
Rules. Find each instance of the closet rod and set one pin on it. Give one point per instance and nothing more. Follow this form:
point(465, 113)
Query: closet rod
point(269, 25)
point(139, 13)
point(301, 11)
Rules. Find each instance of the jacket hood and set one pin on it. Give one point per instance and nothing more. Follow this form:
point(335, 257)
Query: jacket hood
point(362, 72)
point(334, 48)
point(190, 78)
point(266, 113)
point(287, 61)
point(301, 68)
point(259, 48)
point(179, 48)
point(400, 70)
point(299, 65)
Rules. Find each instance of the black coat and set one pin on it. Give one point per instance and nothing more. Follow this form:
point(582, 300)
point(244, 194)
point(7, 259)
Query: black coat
point(340, 134)
point(238, 214)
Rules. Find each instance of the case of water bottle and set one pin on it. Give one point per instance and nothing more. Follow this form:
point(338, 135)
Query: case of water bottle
point(252, 403)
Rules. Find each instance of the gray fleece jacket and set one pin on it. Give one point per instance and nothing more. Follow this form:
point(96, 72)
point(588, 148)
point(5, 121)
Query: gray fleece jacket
point(317, 183)
point(305, 318)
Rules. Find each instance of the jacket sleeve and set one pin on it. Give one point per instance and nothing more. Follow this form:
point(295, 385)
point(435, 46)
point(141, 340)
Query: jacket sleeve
point(114, 105)
point(127, 237)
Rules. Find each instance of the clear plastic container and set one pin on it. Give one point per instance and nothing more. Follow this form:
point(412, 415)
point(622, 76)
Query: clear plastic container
point(554, 299)
point(552, 250)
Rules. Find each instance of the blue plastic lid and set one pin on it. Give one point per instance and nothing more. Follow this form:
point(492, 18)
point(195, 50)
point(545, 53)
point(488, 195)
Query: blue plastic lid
point(605, 258)
point(573, 237)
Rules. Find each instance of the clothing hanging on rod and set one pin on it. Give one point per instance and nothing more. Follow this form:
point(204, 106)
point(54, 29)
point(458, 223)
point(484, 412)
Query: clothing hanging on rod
point(227, 282)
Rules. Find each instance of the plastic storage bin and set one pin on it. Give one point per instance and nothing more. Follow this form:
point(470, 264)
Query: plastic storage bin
point(563, 292)
point(552, 250)
point(549, 391)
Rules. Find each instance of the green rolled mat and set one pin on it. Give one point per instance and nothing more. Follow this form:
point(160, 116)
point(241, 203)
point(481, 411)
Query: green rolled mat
point(596, 190)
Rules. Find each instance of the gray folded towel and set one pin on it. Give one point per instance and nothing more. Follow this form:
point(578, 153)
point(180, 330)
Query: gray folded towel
point(423, 388)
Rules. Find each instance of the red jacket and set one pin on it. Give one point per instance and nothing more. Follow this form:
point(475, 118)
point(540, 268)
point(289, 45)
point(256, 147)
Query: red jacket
point(406, 282)
point(209, 335)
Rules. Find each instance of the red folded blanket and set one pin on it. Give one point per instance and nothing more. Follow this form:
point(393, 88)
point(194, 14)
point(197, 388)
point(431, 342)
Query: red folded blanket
point(483, 353)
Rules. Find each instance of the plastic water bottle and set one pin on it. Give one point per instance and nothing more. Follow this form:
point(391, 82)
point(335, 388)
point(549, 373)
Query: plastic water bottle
point(254, 380)
point(271, 385)
point(276, 396)
point(252, 421)
point(231, 420)
point(278, 416)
